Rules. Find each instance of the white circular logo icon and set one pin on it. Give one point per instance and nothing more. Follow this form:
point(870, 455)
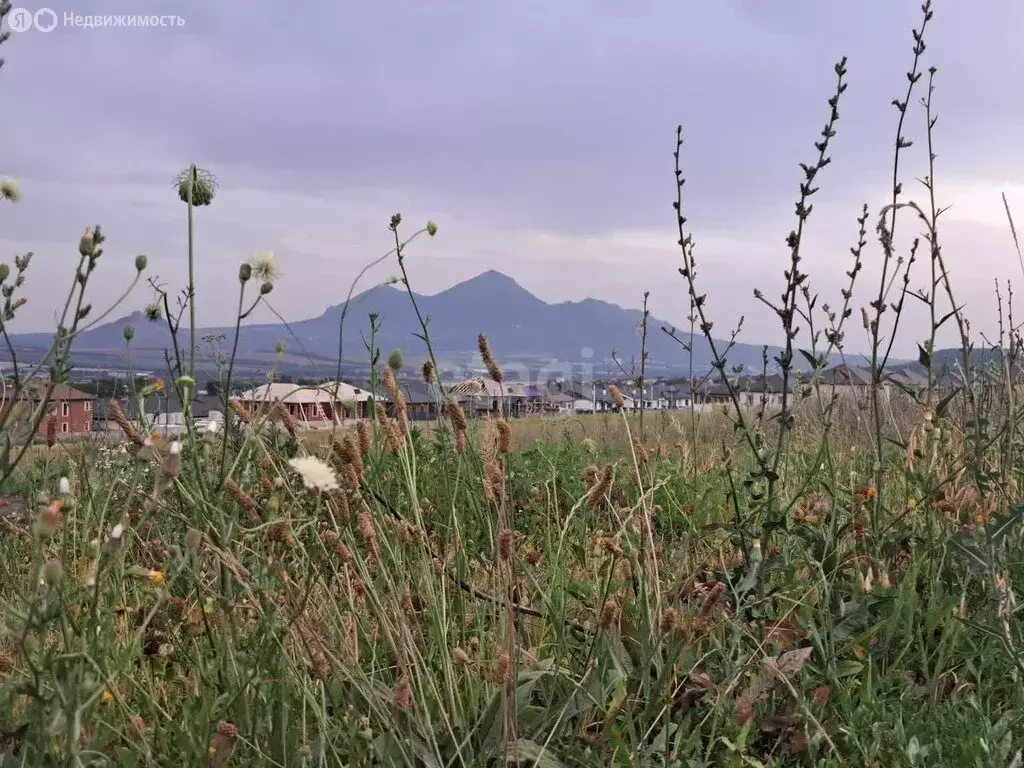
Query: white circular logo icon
point(22, 19)
point(19, 20)
point(45, 19)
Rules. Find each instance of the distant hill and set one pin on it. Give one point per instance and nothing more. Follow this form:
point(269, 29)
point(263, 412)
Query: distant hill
point(952, 358)
point(519, 326)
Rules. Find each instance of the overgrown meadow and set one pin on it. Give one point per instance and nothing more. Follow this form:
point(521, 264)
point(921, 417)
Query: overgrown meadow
point(829, 583)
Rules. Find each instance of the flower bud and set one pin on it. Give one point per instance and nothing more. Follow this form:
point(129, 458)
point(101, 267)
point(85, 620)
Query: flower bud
point(193, 539)
point(431, 228)
point(244, 273)
point(4, 272)
point(87, 243)
point(140, 262)
point(53, 572)
point(266, 288)
point(128, 332)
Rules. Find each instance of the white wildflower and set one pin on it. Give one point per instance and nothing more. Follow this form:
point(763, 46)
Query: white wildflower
point(118, 532)
point(265, 267)
point(175, 448)
point(315, 474)
point(64, 487)
point(212, 427)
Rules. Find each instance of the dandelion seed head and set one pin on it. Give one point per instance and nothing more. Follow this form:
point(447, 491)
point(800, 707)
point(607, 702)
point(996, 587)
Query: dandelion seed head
point(265, 267)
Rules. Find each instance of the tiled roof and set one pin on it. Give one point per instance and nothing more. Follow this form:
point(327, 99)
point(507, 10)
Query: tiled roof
point(37, 389)
point(304, 395)
point(481, 386)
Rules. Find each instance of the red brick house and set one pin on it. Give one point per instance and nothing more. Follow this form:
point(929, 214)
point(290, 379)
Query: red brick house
point(71, 408)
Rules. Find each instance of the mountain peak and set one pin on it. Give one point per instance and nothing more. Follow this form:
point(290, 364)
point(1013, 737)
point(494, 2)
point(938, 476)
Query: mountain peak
point(491, 280)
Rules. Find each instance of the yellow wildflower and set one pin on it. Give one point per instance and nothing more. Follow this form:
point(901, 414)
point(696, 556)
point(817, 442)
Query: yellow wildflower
point(106, 697)
point(156, 577)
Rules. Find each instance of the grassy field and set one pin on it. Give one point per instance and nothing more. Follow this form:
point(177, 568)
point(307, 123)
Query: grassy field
point(556, 592)
point(828, 584)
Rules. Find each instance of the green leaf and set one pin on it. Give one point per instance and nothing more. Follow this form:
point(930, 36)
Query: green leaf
point(943, 404)
point(969, 551)
point(816, 363)
point(749, 580)
point(848, 669)
point(924, 357)
point(1002, 528)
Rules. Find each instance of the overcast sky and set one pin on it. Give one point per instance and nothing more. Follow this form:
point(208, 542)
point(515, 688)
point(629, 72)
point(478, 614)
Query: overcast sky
point(538, 135)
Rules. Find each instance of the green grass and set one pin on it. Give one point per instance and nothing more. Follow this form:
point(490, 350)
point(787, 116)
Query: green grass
point(370, 625)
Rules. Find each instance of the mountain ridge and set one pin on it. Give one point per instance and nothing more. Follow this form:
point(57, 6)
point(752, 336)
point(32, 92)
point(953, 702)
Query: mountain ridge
point(517, 323)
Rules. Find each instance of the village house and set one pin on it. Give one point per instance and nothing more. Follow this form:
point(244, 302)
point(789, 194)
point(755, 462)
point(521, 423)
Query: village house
point(554, 397)
point(597, 400)
point(424, 402)
point(315, 405)
point(486, 398)
point(162, 412)
point(70, 408)
point(761, 390)
point(560, 396)
point(658, 396)
point(711, 392)
point(908, 381)
point(851, 382)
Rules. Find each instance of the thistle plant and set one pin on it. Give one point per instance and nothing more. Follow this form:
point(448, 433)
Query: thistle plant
point(195, 188)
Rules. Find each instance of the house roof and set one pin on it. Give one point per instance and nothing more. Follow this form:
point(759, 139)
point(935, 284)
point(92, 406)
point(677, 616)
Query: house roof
point(482, 386)
point(168, 402)
point(847, 375)
point(202, 406)
point(908, 377)
point(669, 391)
point(418, 392)
point(346, 391)
point(36, 389)
point(332, 391)
point(560, 397)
